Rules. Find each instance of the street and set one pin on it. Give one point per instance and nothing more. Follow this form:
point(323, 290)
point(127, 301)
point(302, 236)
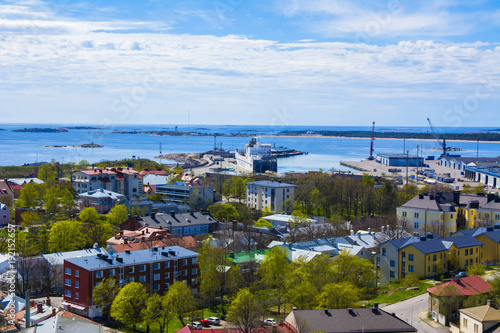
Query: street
point(411, 308)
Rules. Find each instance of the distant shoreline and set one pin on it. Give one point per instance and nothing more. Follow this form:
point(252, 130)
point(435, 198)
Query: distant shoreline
point(367, 138)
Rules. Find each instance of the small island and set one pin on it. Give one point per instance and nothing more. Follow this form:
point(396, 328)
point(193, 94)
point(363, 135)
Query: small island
point(85, 145)
point(41, 130)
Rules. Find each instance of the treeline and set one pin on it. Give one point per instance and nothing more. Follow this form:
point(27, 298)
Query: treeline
point(402, 135)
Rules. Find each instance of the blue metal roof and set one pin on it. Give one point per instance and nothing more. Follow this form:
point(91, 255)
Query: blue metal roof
point(271, 183)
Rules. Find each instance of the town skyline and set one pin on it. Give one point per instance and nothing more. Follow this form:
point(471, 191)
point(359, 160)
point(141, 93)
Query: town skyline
point(285, 63)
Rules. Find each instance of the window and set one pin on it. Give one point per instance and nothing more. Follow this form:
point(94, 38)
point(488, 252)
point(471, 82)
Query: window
point(156, 265)
point(476, 328)
point(156, 277)
point(77, 273)
point(415, 225)
point(67, 293)
point(392, 274)
point(131, 270)
point(142, 278)
point(415, 215)
point(451, 216)
point(167, 275)
point(410, 268)
point(434, 257)
point(130, 279)
point(111, 272)
point(486, 216)
point(77, 295)
point(383, 251)
point(98, 274)
point(497, 216)
point(167, 264)
point(403, 214)
point(194, 271)
point(77, 284)
point(465, 322)
point(392, 264)
point(167, 285)
point(156, 287)
point(410, 257)
point(194, 282)
point(184, 262)
point(466, 262)
point(194, 261)
point(67, 282)
point(67, 271)
point(433, 268)
point(470, 261)
point(142, 268)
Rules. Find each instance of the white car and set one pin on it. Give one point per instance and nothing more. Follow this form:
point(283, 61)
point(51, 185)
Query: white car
point(270, 321)
point(213, 320)
point(196, 325)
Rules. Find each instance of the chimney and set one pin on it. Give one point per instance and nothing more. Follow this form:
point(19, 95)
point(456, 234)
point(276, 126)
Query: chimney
point(383, 229)
point(491, 197)
point(369, 231)
point(456, 197)
point(375, 305)
point(153, 215)
point(54, 312)
point(48, 301)
point(359, 234)
point(172, 213)
point(352, 232)
point(142, 232)
point(32, 304)
point(125, 241)
point(147, 230)
point(387, 228)
point(39, 308)
point(420, 196)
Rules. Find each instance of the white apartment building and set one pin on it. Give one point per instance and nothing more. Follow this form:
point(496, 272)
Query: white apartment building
point(125, 181)
point(270, 194)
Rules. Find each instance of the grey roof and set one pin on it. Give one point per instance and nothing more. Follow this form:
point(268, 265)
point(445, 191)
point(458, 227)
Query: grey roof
point(403, 242)
point(465, 241)
point(445, 202)
point(398, 155)
point(102, 193)
point(432, 246)
point(177, 220)
point(367, 240)
point(62, 324)
point(475, 160)
point(57, 258)
point(347, 320)
point(132, 258)
point(270, 183)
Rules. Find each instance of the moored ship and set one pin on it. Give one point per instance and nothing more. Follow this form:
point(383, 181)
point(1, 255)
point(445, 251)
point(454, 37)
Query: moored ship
point(257, 157)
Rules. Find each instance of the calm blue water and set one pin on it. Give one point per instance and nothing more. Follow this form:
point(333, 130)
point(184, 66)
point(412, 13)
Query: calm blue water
point(325, 153)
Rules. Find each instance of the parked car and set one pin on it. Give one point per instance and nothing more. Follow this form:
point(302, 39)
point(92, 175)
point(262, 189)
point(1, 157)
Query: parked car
point(196, 325)
point(204, 322)
point(213, 320)
point(461, 274)
point(270, 321)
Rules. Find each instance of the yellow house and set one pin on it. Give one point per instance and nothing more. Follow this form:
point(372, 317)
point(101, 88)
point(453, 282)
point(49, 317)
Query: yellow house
point(491, 247)
point(465, 251)
point(478, 319)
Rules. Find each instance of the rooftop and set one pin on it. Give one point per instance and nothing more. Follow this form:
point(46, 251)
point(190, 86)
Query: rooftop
point(177, 220)
point(270, 183)
point(465, 286)
point(57, 258)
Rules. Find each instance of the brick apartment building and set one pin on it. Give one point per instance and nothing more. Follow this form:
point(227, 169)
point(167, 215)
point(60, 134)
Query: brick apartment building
point(157, 268)
point(125, 181)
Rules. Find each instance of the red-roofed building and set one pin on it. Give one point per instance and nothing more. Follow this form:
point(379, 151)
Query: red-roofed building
point(187, 242)
point(6, 194)
point(143, 234)
point(445, 299)
point(125, 181)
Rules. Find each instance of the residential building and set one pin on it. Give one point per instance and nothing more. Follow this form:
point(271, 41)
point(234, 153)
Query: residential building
point(273, 195)
point(188, 242)
point(346, 320)
point(158, 268)
point(400, 160)
point(490, 237)
point(185, 224)
point(143, 234)
point(102, 200)
point(6, 193)
point(64, 323)
point(479, 319)
point(445, 299)
point(248, 262)
point(284, 221)
point(125, 181)
point(445, 213)
point(198, 197)
point(143, 204)
point(16, 184)
point(369, 239)
point(4, 214)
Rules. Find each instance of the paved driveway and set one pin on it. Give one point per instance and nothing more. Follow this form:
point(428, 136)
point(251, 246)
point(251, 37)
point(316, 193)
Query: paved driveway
point(410, 310)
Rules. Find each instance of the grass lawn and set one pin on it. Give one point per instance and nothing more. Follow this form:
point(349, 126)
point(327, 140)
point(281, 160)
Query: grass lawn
point(399, 291)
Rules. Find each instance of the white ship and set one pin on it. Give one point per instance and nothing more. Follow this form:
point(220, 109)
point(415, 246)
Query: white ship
point(257, 157)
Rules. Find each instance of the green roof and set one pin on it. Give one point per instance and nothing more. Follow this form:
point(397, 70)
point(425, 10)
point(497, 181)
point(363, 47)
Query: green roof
point(248, 256)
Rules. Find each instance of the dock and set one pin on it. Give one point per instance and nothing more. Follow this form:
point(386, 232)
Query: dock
point(354, 165)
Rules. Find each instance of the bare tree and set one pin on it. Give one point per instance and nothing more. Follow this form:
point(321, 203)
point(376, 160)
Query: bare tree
point(27, 273)
point(50, 274)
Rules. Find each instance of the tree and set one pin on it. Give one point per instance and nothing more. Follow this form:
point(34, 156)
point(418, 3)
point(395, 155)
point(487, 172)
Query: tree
point(67, 201)
point(159, 310)
point(30, 217)
point(274, 270)
point(181, 299)
point(476, 269)
point(338, 296)
point(224, 212)
point(350, 268)
point(38, 238)
point(97, 233)
point(298, 219)
point(47, 174)
point(65, 236)
point(117, 215)
point(49, 274)
point(245, 311)
point(219, 275)
point(104, 294)
point(128, 305)
point(50, 200)
point(263, 223)
point(31, 195)
point(89, 214)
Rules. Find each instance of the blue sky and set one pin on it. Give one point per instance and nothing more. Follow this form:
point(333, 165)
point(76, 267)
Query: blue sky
point(273, 62)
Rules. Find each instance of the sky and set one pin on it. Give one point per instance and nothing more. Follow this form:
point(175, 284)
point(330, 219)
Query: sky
point(250, 62)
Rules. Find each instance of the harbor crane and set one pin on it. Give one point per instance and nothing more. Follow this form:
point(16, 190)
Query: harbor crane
point(371, 143)
point(443, 143)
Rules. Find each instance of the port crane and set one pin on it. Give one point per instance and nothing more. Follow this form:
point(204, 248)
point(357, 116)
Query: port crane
point(371, 143)
point(443, 143)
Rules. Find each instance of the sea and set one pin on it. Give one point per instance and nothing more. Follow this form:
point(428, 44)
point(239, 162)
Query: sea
point(325, 153)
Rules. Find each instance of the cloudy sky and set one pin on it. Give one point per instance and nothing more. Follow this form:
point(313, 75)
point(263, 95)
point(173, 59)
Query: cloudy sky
point(260, 62)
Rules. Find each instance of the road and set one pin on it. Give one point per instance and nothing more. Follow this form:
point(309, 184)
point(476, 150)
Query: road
point(405, 310)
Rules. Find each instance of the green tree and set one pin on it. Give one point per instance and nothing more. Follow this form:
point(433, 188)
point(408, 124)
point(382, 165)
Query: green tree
point(298, 219)
point(104, 294)
point(178, 170)
point(38, 239)
point(50, 201)
point(128, 305)
point(31, 195)
point(65, 236)
point(338, 296)
point(47, 174)
point(476, 269)
point(67, 201)
point(224, 212)
point(82, 165)
point(274, 270)
point(89, 214)
point(181, 299)
point(245, 311)
point(159, 310)
point(263, 223)
point(117, 215)
point(219, 276)
point(31, 217)
point(97, 233)
point(350, 268)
